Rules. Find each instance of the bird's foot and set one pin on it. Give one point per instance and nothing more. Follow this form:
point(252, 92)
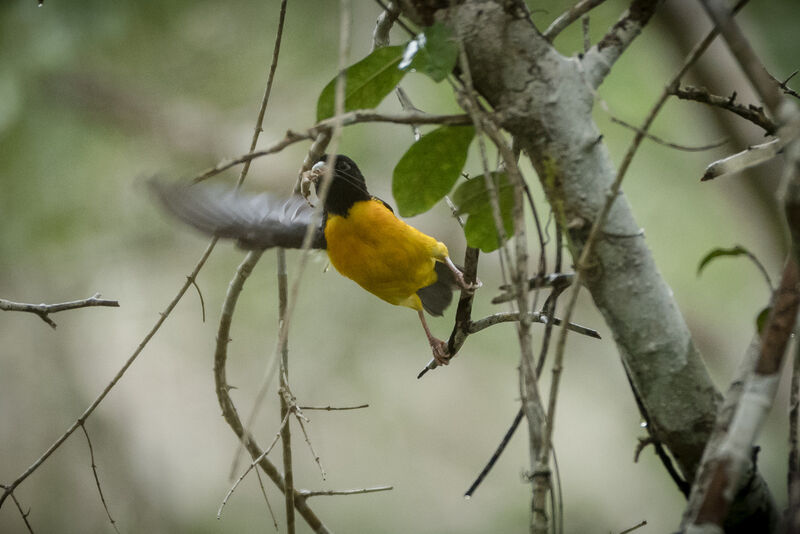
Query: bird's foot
point(465, 286)
point(440, 353)
point(459, 278)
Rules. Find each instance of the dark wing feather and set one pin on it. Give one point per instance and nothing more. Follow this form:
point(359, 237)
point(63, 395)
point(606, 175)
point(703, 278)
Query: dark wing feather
point(437, 296)
point(255, 221)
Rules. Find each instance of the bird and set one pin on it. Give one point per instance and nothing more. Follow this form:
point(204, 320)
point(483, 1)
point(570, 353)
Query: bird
point(365, 241)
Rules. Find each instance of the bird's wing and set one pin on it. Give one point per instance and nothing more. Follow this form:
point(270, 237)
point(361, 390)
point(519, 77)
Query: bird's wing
point(255, 221)
point(437, 296)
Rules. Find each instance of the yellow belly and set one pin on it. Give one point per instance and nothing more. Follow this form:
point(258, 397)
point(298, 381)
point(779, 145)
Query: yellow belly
point(382, 254)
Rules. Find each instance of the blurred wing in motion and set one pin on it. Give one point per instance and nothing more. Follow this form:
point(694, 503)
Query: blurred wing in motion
point(255, 221)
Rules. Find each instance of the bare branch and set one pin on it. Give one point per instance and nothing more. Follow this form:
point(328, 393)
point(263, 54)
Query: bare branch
point(97, 478)
point(309, 493)
point(229, 411)
point(500, 448)
point(23, 513)
point(793, 472)
point(568, 17)
point(266, 500)
point(676, 146)
point(380, 35)
point(537, 317)
point(754, 114)
point(253, 464)
point(634, 527)
point(601, 57)
point(44, 310)
point(332, 408)
point(741, 49)
point(88, 412)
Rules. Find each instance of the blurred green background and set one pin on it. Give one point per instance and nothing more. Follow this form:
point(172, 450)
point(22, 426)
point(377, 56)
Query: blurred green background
point(95, 96)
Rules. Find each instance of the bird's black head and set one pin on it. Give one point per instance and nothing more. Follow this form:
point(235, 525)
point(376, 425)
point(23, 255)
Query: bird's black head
point(347, 186)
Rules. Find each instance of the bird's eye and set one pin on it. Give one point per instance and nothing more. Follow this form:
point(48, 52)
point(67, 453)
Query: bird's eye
point(343, 165)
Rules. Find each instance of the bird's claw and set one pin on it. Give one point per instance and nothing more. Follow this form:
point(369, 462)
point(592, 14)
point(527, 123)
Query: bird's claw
point(468, 287)
point(440, 353)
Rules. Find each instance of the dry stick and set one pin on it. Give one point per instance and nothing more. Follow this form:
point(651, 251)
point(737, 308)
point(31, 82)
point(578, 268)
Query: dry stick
point(331, 408)
point(503, 443)
point(600, 221)
point(726, 467)
point(676, 146)
point(226, 403)
point(23, 513)
point(286, 435)
point(309, 493)
point(322, 193)
point(754, 114)
point(253, 464)
point(568, 17)
point(43, 310)
point(88, 412)
point(266, 499)
point(311, 448)
point(793, 471)
point(323, 127)
point(634, 527)
point(97, 478)
point(202, 301)
point(519, 274)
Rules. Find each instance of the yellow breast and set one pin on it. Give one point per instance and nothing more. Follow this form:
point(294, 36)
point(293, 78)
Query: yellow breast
point(381, 253)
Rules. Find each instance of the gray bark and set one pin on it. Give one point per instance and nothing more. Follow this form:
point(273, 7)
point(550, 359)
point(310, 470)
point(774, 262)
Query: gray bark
point(545, 101)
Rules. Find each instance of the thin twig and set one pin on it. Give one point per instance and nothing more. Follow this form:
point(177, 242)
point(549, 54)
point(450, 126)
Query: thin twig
point(202, 301)
point(309, 493)
point(285, 407)
point(97, 478)
point(253, 464)
point(568, 17)
point(634, 527)
point(334, 135)
point(786, 89)
point(311, 448)
point(537, 317)
point(229, 411)
point(676, 146)
point(266, 500)
point(793, 471)
point(332, 408)
point(23, 513)
point(493, 460)
point(754, 114)
point(88, 412)
point(44, 310)
point(344, 119)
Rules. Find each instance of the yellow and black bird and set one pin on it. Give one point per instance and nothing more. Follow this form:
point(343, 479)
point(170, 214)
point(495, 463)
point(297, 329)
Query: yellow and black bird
point(364, 239)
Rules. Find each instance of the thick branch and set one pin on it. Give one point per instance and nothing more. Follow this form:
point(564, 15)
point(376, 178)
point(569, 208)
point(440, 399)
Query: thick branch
point(601, 57)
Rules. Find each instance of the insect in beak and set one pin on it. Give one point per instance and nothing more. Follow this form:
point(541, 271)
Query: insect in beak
point(312, 176)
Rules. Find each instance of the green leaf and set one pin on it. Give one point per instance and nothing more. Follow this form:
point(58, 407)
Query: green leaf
point(430, 168)
point(366, 82)
point(761, 319)
point(433, 52)
point(472, 198)
point(719, 252)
